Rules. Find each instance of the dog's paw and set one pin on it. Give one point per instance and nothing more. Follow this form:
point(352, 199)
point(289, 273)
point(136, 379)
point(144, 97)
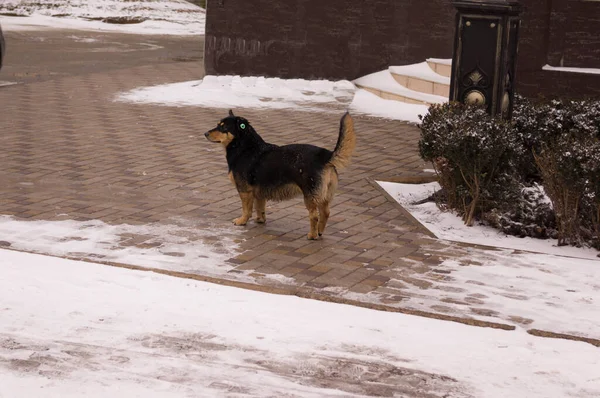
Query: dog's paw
point(261, 220)
point(311, 236)
point(240, 221)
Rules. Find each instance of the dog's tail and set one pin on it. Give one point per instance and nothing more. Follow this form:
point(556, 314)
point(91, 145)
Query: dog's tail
point(345, 144)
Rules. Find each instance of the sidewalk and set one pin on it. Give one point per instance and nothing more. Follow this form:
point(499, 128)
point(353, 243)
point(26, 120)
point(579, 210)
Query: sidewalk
point(69, 152)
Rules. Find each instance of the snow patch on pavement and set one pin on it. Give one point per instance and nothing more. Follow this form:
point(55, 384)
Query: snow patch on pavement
point(181, 246)
point(533, 291)
point(556, 289)
point(176, 17)
point(446, 225)
point(69, 329)
point(80, 39)
point(274, 93)
point(247, 92)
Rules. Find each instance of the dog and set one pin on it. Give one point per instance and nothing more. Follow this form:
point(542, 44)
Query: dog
point(262, 171)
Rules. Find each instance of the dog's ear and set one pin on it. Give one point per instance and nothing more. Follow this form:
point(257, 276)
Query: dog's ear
point(231, 113)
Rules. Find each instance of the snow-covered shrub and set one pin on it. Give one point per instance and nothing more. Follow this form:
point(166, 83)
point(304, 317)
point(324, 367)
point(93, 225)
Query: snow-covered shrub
point(566, 152)
point(587, 124)
point(530, 214)
point(529, 121)
point(471, 152)
point(590, 206)
point(538, 175)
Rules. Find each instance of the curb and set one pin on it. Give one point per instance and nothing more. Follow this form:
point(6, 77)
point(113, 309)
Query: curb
point(422, 229)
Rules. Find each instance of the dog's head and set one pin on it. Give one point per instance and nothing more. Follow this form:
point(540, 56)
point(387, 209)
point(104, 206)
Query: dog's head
point(229, 129)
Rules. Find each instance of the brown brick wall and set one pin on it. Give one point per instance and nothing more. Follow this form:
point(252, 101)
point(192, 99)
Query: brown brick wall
point(350, 38)
point(323, 39)
point(553, 30)
point(574, 33)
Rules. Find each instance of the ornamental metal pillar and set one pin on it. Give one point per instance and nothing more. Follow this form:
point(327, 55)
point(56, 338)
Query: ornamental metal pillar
point(485, 54)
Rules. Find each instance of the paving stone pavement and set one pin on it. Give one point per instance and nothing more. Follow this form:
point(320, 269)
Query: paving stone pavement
point(69, 151)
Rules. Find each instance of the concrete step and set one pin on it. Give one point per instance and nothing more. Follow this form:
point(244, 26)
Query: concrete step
point(384, 85)
point(421, 77)
point(441, 66)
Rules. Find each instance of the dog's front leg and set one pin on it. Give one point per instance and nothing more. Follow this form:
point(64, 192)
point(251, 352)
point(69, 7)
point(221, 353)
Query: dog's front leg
point(247, 203)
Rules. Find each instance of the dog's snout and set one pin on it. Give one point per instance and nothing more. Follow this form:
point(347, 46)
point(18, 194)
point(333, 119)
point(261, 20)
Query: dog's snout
point(206, 134)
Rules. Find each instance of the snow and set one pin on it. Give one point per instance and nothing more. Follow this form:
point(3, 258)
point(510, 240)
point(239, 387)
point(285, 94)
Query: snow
point(446, 225)
point(441, 61)
point(71, 329)
point(173, 17)
point(556, 289)
point(593, 71)
point(274, 93)
point(384, 81)
point(39, 22)
point(420, 71)
point(82, 39)
point(370, 104)
point(247, 92)
point(179, 246)
point(552, 292)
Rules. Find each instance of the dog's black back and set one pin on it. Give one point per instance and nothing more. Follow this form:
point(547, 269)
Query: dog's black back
point(278, 171)
point(299, 164)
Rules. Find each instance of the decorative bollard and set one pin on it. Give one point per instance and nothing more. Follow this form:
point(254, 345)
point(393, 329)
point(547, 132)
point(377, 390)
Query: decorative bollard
point(485, 54)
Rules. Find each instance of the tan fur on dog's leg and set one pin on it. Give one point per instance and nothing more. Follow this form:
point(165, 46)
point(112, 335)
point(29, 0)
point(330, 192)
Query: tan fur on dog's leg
point(247, 202)
point(329, 184)
point(313, 216)
point(261, 213)
point(323, 216)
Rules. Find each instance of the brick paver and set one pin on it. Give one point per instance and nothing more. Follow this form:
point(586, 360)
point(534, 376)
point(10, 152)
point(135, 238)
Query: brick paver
point(68, 151)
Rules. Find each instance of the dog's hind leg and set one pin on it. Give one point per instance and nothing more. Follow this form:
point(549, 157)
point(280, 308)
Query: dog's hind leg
point(261, 213)
point(247, 202)
point(330, 182)
point(323, 216)
point(313, 215)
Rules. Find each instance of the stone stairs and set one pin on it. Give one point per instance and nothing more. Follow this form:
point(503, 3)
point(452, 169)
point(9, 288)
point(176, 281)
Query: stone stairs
point(423, 83)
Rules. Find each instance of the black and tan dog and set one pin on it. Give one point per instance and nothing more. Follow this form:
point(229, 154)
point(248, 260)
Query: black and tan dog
point(263, 171)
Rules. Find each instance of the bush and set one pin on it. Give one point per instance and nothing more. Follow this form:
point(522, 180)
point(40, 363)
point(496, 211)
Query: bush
point(491, 169)
point(565, 151)
point(470, 151)
point(590, 203)
point(529, 214)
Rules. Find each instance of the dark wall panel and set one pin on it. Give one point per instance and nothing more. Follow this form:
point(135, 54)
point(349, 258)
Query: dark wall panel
point(334, 39)
point(574, 28)
point(323, 39)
